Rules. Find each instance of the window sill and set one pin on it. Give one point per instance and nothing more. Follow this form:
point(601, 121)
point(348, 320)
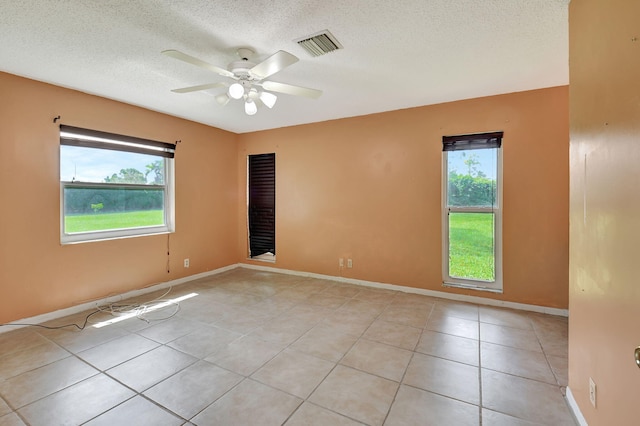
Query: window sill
point(471, 287)
point(266, 257)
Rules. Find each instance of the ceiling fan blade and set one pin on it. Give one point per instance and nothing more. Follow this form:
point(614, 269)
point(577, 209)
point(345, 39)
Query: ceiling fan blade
point(274, 63)
point(289, 89)
point(197, 62)
point(200, 87)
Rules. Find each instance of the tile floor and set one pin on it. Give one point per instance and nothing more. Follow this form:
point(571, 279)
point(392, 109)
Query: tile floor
point(259, 348)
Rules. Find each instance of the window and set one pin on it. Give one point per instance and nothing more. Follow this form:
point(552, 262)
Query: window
point(114, 186)
point(262, 206)
point(472, 214)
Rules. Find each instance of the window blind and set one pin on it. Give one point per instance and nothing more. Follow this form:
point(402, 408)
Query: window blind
point(474, 141)
point(76, 136)
point(262, 204)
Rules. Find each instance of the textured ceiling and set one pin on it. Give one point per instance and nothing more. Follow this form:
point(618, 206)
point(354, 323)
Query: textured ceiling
point(397, 53)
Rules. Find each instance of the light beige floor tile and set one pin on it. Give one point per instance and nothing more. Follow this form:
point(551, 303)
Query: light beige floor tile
point(355, 394)
point(326, 300)
point(379, 359)
point(146, 370)
point(249, 403)
point(19, 340)
point(560, 368)
point(509, 336)
point(171, 329)
point(450, 347)
point(348, 322)
point(292, 295)
point(313, 285)
point(421, 408)
point(11, 419)
point(365, 308)
point(78, 403)
point(519, 362)
point(305, 313)
point(192, 389)
point(282, 331)
point(555, 345)
point(444, 377)
point(117, 351)
point(343, 290)
point(454, 326)
point(402, 336)
point(271, 307)
point(202, 309)
point(237, 298)
point(406, 316)
point(311, 415)
point(376, 295)
point(457, 309)
point(525, 399)
point(4, 408)
point(136, 411)
point(204, 341)
point(550, 325)
point(77, 341)
point(414, 301)
point(35, 384)
point(505, 317)
point(18, 362)
point(493, 418)
point(241, 320)
point(294, 372)
point(324, 342)
point(245, 355)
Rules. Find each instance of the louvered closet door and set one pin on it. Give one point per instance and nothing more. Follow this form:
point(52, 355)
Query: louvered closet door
point(262, 204)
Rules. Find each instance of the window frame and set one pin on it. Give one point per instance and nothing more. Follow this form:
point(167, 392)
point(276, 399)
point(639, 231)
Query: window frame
point(168, 187)
point(263, 256)
point(495, 286)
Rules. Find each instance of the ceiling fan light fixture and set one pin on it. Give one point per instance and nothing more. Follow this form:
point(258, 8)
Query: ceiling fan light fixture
point(250, 107)
point(269, 99)
point(223, 99)
point(236, 90)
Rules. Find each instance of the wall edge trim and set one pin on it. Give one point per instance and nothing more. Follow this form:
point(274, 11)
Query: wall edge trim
point(39, 319)
point(573, 405)
point(433, 293)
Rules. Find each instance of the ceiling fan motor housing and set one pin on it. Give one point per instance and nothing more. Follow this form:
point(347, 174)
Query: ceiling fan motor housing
point(242, 69)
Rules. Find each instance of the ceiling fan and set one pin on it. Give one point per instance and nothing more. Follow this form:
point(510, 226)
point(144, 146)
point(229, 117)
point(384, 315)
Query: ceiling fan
point(250, 79)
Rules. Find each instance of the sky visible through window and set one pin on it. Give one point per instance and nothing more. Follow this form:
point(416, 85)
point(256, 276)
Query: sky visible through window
point(81, 164)
point(486, 161)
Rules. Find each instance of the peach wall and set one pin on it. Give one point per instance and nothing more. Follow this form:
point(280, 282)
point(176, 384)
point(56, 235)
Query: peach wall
point(369, 188)
point(605, 206)
point(37, 274)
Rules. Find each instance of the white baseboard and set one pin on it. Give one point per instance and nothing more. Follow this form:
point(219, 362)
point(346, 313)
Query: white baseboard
point(433, 293)
point(576, 410)
point(39, 319)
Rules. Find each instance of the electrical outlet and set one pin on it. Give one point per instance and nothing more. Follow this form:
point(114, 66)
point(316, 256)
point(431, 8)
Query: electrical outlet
point(341, 262)
point(592, 392)
point(186, 263)
point(349, 263)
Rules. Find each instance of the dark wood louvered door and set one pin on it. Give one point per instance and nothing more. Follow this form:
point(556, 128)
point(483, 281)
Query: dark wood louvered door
point(262, 204)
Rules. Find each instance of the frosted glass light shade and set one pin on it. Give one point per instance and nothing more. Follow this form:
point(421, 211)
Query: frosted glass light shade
point(250, 107)
point(223, 99)
point(236, 90)
point(269, 99)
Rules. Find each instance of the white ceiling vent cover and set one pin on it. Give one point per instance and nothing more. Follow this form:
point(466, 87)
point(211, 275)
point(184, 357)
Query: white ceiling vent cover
point(320, 43)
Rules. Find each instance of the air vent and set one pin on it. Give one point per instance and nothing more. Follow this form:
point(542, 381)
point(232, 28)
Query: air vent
point(320, 43)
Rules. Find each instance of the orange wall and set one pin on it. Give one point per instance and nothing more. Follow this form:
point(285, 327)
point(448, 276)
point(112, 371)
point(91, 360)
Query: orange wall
point(605, 207)
point(369, 188)
point(37, 274)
